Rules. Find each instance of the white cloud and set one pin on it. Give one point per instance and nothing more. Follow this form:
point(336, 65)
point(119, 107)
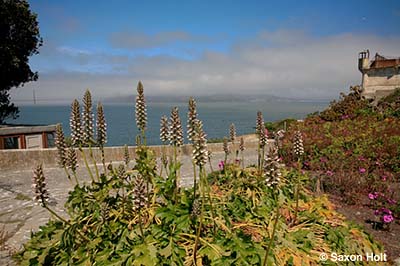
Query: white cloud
point(138, 40)
point(284, 63)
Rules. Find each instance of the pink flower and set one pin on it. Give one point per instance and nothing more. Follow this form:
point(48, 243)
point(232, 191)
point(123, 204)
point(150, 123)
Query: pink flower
point(221, 165)
point(323, 160)
point(371, 196)
point(329, 173)
point(387, 218)
point(362, 170)
point(384, 177)
point(361, 158)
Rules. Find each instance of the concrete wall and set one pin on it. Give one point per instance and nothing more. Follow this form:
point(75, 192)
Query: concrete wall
point(29, 158)
point(379, 82)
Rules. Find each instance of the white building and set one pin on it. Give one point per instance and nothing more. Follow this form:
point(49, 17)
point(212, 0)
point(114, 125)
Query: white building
point(380, 76)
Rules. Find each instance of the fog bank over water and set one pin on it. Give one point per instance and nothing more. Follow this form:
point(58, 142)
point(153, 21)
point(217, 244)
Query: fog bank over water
point(216, 98)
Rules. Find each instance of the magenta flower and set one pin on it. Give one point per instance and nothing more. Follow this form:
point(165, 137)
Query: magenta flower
point(371, 196)
point(386, 211)
point(391, 201)
point(362, 170)
point(387, 218)
point(329, 173)
point(221, 165)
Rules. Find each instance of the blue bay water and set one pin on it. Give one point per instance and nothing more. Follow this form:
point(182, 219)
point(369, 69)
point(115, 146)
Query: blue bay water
point(216, 117)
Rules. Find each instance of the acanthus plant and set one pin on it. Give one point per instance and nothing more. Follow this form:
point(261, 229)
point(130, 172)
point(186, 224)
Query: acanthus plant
point(138, 217)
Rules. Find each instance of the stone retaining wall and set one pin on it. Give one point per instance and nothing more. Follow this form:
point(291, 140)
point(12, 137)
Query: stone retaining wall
point(29, 158)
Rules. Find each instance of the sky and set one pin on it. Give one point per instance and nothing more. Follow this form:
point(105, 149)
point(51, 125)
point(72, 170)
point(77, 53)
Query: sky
point(295, 49)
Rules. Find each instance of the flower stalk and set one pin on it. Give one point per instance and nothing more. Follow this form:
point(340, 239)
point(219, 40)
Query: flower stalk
point(101, 131)
point(176, 140)
point(42, 195)
point(241, 148)
point(232, 138)
point(75, 124)
point(141, 113)
point(88, 130)
point(298, 150)
point(225, 147)
point(272, 175)
point(73, 162)
point(62, 150)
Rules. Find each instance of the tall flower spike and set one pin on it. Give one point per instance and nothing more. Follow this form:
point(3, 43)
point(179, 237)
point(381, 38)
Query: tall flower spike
point(259, 122)
point(61, 146)
point(298, 144)
point(262, 135)
point(278, 136)
point(272, 172)
point(39, 186)
point(192, 116)
point(200, 155)
point(87, 119)
point(241, 145)
point(121, 173)
point(140, 108)
point(225, 146)
point(101, 126)
point(72, 159)
point(139, 193)
point(126, 155)
point(232, 133)
point(164, 129)
point(75, 124)
point(196, 208)
point(176, 132)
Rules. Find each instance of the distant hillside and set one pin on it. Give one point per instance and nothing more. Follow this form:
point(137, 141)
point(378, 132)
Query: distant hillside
point(210, 98)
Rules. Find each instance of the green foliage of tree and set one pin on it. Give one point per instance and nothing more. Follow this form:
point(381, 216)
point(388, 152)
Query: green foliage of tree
point(19, 39)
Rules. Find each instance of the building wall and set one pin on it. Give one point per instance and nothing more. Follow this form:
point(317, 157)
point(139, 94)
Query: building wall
point(379, 82)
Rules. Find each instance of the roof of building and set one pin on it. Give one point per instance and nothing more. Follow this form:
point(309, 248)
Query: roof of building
point(384, 61)
point(27, 129)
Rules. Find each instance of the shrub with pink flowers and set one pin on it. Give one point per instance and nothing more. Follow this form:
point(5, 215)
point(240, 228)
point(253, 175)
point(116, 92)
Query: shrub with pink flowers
point(354, 150)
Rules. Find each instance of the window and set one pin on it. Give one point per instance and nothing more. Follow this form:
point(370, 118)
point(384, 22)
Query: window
point(11, 143)
point(50, 140)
